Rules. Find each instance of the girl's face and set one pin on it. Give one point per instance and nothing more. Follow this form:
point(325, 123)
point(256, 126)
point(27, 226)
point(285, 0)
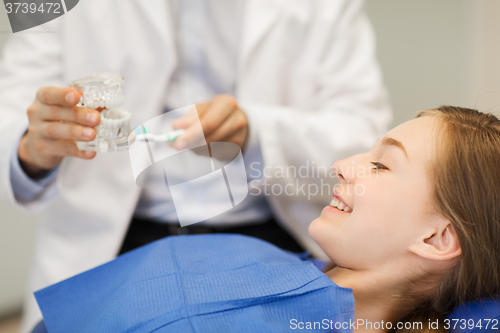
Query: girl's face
point(388, 193)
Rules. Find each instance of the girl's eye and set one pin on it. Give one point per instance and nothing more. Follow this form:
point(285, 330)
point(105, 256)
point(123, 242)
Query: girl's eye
point(379, 166)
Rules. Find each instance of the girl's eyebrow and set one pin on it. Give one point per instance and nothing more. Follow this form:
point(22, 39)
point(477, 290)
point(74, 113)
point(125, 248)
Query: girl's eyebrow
point(393, 142)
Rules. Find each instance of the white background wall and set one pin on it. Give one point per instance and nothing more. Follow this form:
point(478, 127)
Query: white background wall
point(424, 49)
point(431, 52)
point(16, 238)
point(438, 52)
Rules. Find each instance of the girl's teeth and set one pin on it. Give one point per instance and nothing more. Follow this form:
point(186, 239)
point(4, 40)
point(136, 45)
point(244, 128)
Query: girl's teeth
point(339, 205)
point(334, 203)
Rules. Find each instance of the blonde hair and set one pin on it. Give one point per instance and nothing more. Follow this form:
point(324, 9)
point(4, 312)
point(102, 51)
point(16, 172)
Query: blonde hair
point(466, 174)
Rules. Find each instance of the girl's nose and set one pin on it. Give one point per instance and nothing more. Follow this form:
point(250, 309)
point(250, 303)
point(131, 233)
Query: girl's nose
point(345, 170)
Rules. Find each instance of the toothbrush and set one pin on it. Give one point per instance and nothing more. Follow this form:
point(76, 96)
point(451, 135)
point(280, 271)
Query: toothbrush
point(166, 137)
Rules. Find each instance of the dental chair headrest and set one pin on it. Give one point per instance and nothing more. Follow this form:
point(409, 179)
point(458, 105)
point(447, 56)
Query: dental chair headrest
point(476, 317)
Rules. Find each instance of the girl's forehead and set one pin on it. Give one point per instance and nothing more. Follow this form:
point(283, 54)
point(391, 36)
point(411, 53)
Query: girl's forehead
point(418, 136)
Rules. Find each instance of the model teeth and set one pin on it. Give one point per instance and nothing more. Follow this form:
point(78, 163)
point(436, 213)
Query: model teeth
point(102, 90)
point(114, 123)
point(103, 99)
point(339, 205)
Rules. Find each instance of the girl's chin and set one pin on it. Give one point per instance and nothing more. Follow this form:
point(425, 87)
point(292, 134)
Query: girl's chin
point(319, 228)
point(329, 216)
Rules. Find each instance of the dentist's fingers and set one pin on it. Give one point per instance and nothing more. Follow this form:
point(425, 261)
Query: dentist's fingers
point(191, 117)
point(38, 156)
point(230, 128)
point(184, 122)
point(215, 115)
point(191, 137)
point(65, 131)
point(58, 96)
point(82, 116)
point(222, 120)
point(53, 117)
point(62, 148)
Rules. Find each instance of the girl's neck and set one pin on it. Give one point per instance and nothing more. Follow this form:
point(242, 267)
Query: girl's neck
point(374, 294)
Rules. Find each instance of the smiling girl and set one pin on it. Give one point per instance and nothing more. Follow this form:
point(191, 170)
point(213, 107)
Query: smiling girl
point(422, 237)
point(425, 234)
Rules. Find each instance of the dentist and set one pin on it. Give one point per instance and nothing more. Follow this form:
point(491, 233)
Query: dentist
point(292, 82)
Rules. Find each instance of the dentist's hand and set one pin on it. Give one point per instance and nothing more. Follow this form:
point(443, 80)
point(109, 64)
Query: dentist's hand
point(55, 123)
point(222, 120)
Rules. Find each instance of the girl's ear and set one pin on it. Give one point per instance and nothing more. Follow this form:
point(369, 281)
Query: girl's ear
point(440, 243)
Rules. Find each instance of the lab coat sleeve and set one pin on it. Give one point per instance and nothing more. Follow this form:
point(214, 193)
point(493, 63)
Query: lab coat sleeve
point(344, 108)
point(252, 154)
point(30, 60)
point(26, 189)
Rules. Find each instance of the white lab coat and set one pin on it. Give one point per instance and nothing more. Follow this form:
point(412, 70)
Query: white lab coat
point(307, 78)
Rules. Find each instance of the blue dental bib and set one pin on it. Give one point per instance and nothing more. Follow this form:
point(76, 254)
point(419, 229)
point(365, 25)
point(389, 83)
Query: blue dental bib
point(199, 283)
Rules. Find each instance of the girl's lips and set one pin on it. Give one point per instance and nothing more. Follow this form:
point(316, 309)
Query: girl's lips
point(333, 210)
point(337, 196)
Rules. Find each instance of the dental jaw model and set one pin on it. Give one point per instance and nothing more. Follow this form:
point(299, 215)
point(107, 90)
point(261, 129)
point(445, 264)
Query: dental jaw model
point(104, 91)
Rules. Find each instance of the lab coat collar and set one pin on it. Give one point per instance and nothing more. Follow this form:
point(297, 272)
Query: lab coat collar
point(259, 17)
point(158, 12)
